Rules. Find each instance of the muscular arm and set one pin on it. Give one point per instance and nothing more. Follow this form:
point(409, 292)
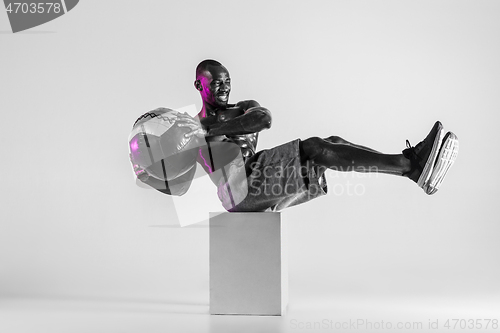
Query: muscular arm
point(245, 118)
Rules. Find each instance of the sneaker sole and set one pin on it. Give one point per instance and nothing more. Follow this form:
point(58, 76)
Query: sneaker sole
point(447, 156)
point(431, 160)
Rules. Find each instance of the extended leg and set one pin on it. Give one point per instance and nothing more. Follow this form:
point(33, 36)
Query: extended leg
point(417, 163)
point(338, 139)
point(350, 157)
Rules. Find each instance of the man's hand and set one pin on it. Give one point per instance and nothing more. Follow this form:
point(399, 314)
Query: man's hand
point(185, 120)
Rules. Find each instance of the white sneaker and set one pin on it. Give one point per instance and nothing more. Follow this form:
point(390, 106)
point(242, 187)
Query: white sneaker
point(445, 159)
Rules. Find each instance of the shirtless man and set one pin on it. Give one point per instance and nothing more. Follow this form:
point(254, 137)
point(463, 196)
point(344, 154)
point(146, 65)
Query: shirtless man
point(292, 173)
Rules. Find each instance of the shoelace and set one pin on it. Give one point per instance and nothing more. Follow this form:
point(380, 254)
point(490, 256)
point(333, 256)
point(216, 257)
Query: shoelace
point(410, 152)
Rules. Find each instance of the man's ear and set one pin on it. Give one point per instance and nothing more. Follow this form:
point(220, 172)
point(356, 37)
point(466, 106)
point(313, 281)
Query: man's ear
point(197, 85)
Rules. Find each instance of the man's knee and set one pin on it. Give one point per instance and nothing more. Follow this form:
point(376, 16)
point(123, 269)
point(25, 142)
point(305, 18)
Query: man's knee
point(311, 147)
point(336, 139)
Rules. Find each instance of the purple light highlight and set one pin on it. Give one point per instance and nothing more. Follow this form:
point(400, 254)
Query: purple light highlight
point(134, 145)
point(205, 161)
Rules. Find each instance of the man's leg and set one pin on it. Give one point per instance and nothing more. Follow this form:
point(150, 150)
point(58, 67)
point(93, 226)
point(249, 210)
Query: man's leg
point(338, 154)
point(338, 139)
point(350, 157)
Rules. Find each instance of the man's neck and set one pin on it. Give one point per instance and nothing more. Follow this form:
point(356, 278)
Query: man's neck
point(207, 110)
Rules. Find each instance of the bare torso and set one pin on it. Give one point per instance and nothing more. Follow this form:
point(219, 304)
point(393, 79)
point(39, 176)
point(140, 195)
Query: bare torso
point(223, 150)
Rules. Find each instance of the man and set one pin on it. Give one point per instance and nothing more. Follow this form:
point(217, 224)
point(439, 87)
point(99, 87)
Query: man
point(293, 173)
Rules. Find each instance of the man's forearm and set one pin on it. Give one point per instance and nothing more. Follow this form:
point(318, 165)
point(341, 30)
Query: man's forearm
point(253, 120)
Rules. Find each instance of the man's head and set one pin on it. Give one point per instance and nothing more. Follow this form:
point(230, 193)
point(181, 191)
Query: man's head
point(213, 83)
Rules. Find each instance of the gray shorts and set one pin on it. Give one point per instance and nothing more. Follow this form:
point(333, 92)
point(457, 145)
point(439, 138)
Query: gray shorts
point(274, 181)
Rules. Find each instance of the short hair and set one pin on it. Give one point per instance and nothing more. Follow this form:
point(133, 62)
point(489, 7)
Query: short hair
point(205, 64)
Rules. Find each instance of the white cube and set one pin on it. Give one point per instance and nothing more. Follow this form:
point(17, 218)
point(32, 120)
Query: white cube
point(248, 264)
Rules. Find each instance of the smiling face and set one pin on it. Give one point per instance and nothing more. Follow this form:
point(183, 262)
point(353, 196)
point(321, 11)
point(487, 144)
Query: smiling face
point(215, 86)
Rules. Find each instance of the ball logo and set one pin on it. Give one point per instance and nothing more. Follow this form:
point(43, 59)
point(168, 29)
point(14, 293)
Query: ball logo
point(27, 14)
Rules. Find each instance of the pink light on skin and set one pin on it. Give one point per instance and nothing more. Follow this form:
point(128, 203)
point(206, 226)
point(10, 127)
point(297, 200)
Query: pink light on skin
point(205, 161)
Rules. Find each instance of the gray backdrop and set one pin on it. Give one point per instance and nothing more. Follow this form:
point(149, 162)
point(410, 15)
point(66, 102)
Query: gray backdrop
point(74, 224)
